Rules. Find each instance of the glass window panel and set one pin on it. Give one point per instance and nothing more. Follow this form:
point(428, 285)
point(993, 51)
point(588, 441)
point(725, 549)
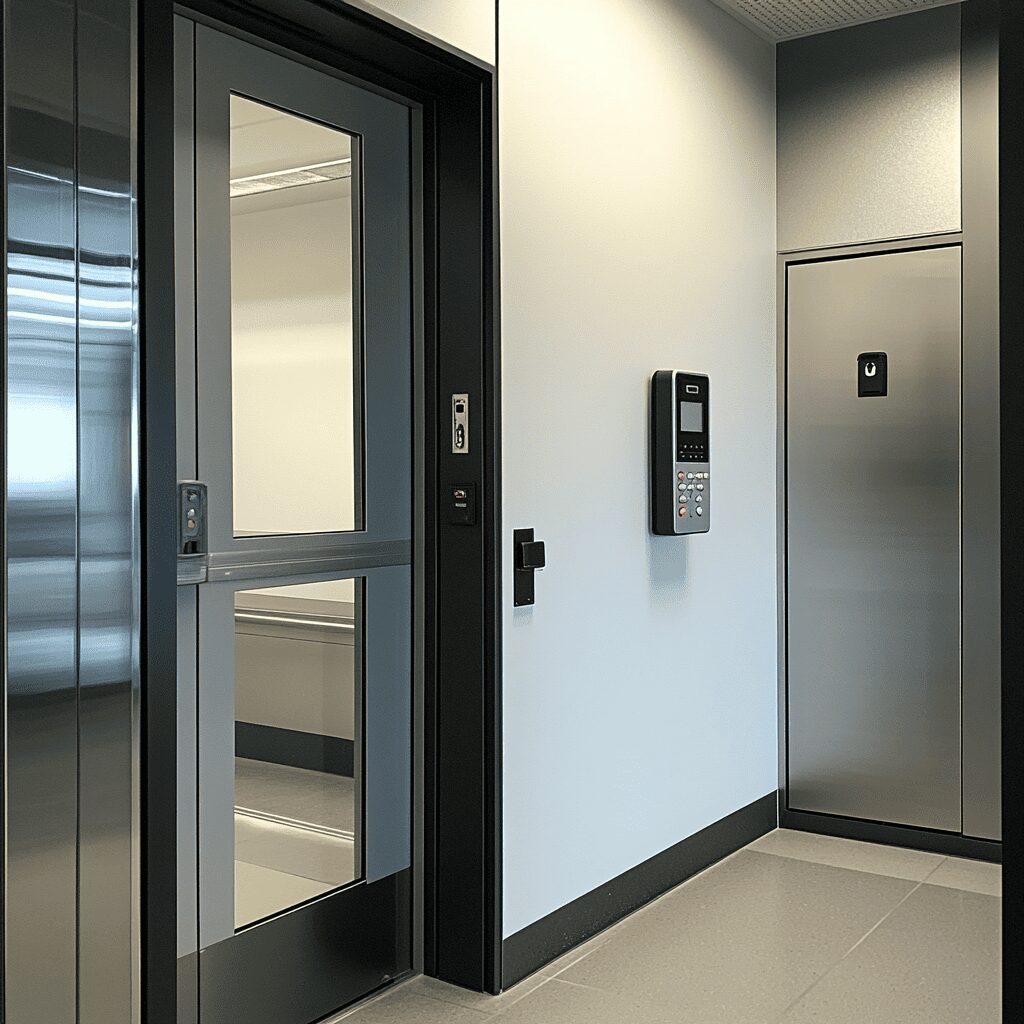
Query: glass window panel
point(295, 375)
point(298, 686)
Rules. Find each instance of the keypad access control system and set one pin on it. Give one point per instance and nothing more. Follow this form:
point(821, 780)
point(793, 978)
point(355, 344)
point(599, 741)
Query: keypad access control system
point(680, 454)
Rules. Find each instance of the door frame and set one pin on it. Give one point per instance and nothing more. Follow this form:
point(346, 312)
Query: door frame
point(457, 851)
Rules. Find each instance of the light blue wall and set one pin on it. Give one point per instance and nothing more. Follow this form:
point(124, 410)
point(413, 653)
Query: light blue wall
point(637, 161)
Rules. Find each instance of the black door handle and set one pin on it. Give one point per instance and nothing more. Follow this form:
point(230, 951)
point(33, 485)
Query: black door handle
point(529, 556)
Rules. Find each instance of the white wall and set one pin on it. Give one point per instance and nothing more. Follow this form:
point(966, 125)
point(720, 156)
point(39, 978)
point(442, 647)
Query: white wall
point(465, 24)
point(637, 233)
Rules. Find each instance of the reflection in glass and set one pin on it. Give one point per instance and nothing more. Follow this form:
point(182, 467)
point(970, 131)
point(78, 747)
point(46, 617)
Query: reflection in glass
point(297, 689)
point(294, 375)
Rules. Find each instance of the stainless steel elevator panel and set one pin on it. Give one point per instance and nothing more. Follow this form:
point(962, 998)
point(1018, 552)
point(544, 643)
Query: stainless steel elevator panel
point(873, 519)
point(71, 516)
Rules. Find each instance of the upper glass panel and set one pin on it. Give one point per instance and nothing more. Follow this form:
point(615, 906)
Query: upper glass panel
point(295, 370)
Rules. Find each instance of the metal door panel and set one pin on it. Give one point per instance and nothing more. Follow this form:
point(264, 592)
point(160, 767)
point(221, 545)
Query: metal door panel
point(108, 536)
point(41, 598)
point(873, 506)
point(234, 948)
point(224, 66)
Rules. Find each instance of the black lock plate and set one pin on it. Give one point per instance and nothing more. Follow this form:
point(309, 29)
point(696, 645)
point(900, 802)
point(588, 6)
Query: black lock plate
point(872, 375)
point(462, 504)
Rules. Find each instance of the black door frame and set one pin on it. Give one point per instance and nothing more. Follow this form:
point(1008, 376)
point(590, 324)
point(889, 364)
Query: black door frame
point(460, 762)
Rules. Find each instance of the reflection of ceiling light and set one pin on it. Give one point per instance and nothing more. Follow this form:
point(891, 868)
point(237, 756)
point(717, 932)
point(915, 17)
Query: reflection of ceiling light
point(271, 181)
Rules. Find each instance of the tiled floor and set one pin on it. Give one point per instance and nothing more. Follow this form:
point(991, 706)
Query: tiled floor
point(794, 929)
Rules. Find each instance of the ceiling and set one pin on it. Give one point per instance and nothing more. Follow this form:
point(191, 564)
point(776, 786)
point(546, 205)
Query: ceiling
point(777, 20)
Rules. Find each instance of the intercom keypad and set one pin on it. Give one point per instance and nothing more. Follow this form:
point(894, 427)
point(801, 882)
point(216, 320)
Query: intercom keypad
point(693, 495)
point(680, 453)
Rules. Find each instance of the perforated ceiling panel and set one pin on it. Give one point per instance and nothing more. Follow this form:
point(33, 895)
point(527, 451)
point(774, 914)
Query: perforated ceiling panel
point(787, 19)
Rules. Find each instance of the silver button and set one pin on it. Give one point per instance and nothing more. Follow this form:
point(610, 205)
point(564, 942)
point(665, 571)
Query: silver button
point(700, 511)
point(698, 499)
point(700, 487)
point(689, 476)
point(684, 497)
point(682, 487)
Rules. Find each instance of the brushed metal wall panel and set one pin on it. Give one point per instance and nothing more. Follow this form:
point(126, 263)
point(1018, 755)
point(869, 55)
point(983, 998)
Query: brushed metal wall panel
point(869, 132)
point(108, 504)
point(982, 655)
point(71, 910)
point(41, 769)
point(873, 507)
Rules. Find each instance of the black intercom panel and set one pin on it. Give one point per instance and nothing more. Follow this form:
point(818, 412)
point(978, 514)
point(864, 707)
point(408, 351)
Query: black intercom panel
point(680, 453)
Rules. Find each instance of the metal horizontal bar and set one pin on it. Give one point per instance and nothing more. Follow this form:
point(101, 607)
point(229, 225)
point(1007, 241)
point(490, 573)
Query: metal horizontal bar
point(249, 565)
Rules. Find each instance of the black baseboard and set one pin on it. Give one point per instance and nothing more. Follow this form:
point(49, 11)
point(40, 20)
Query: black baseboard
point(541, 942)
point(328, 754)
point(949, 843)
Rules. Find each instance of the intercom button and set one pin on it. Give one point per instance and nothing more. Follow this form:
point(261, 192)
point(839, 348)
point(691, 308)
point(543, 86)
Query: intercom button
point(700, 487)
point(681, 476)
point(700, 511)
point(682, 512)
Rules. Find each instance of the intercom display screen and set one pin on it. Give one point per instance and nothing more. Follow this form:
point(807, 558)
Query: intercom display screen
point(691, 417)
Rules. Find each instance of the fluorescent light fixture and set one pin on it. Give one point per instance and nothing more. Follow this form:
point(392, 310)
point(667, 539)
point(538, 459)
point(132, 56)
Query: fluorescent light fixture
point(291, 177)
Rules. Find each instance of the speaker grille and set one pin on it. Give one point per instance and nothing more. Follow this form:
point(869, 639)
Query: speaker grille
point(787, 19)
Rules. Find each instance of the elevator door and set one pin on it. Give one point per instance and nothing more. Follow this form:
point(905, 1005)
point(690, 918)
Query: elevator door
point(873, 518)
point(295, 623)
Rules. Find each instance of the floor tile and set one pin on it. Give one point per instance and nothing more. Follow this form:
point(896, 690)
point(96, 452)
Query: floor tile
point(934, 960)
point(972, 875)
point(405, 1005)
point(741, 941)
point(560, 1002)
point(566, 960)
point(893, 861)
point(434, 989)
point(260, 892)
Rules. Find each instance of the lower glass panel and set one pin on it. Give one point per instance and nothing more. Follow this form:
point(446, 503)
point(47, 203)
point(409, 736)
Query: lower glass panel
point(297, 786)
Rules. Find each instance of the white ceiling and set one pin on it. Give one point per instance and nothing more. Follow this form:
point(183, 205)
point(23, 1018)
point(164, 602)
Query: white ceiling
point(787, 19)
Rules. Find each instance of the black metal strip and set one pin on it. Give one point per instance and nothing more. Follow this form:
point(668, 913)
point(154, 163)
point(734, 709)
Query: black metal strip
point(933, 841)
point(1011, 410)
point(345, 956)
point(159, 517)
point(541, 942)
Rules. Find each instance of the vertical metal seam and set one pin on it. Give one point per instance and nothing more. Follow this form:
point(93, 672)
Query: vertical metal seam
point(135, 710)
point(3, 537)
point(75, 184)
point(194, 39)
point(960, 480)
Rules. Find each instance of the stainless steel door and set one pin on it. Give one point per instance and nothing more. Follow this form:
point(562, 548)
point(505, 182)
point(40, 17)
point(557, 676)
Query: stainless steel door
point(70, 591)
point(295, 651)
point(873, 518)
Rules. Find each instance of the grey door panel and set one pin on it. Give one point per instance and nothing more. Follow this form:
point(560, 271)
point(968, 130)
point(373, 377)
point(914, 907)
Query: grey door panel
point(873, 505)
point(281, 845)
point(226, 66)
